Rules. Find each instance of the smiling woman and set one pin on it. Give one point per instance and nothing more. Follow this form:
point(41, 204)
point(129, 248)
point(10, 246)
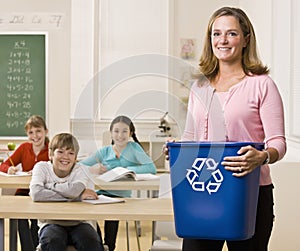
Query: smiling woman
point(234, 99)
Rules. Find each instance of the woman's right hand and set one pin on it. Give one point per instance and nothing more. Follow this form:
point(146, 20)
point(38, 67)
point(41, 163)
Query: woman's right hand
point(165, 149)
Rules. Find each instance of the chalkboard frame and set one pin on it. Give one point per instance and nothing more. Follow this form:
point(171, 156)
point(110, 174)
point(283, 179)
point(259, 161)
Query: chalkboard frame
point(45, 48)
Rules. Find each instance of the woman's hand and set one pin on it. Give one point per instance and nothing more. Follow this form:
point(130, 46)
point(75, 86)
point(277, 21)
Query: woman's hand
point(165, 149)
point(89, 194)
point(249, 159)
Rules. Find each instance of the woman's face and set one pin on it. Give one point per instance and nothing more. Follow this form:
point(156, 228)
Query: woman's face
point(120, 134)
point(227, 39)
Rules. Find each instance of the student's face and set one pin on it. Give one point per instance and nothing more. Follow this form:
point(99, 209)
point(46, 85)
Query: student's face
point(63, 160)
point(120, 134)
point(37, 135)
point(227, 39)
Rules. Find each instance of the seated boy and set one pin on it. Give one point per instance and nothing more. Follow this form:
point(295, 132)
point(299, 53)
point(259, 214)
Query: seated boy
point(61, 179)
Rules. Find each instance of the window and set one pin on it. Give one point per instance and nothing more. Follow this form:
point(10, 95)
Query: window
point(130, 33)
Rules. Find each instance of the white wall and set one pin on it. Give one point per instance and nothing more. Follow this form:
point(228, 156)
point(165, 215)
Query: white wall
point(58, 72)
point(73, 62)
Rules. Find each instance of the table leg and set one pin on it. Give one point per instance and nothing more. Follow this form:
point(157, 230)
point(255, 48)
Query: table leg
point(13, 227)
point(137, 235)
point(127, 236)
point(1, 234)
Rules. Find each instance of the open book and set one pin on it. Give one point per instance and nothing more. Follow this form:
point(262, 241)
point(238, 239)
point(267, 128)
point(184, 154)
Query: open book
point(121, 173)
point(102, 199)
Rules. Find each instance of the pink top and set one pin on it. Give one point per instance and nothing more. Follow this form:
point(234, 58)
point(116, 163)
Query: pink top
point(251, 111)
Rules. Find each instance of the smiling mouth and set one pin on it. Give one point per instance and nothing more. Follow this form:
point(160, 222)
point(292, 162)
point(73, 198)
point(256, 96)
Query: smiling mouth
point(36, 140)
point(223, 48)
point(65, 163)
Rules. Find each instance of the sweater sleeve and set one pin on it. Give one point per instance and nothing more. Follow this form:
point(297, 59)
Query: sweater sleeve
point(38, 187)
point(72, 187)
point(92, 159)
point(16, 158)
point(143, 163)
point(43, 188)
point(273, 119)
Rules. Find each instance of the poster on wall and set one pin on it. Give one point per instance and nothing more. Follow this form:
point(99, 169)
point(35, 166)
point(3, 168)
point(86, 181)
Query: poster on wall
point(188, 49)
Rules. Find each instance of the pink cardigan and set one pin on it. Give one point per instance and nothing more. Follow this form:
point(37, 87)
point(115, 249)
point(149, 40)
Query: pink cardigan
point(252, 110)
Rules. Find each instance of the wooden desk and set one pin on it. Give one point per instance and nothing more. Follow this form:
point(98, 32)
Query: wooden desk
point(24, 181)
point(15, 182)
point(150, 185)
point(19, 207)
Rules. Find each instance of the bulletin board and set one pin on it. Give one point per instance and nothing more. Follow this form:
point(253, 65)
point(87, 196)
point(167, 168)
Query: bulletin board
point(22, 80)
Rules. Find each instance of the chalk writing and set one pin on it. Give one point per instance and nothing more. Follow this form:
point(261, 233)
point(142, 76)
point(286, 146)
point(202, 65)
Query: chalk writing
point(38, 20)
point(22, 83)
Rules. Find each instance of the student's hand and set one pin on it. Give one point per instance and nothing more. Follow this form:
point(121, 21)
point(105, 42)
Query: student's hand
point(89, 194)
point(102, 169)
point(12, 170)
point(97, 169)
point(165, 149)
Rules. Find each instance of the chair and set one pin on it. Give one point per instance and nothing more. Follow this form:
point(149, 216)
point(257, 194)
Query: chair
point(166, 238)
point(70, 248)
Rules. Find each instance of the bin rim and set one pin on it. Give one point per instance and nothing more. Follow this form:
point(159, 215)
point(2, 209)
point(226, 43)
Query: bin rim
point(213, 143)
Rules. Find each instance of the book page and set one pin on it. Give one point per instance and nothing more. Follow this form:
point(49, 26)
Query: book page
point(146, 176)
point(19, 173)
point(117, 173)
point(102, 199)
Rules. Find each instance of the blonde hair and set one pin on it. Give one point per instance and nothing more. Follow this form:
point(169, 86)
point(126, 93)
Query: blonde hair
point(250, 60)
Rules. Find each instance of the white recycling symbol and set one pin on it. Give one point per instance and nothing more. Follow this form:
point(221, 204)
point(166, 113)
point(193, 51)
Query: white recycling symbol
point(193, 175)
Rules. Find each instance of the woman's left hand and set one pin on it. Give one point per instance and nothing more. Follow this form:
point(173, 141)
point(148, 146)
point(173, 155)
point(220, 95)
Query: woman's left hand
point(249, 159)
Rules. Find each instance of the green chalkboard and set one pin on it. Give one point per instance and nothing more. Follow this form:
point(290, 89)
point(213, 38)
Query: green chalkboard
point(22, 81)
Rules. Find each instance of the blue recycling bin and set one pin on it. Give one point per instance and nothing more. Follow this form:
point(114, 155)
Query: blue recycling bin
point(208, 202)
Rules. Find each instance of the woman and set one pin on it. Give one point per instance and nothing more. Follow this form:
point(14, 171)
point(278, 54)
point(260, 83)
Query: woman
point(234, 99)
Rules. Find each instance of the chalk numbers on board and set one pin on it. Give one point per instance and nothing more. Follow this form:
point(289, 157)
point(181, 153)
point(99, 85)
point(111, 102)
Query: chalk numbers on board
point(19, 86)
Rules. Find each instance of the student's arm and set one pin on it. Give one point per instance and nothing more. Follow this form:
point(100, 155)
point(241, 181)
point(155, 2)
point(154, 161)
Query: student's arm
point(43, 190)
point(94, 159)
point(74, 186)
point(141, 163)
point(15, 158)
point(38, 187)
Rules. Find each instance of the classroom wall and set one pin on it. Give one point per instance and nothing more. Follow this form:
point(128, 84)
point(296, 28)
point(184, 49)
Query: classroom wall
point(271, 21)
point(72, 63)
point(58, 68)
